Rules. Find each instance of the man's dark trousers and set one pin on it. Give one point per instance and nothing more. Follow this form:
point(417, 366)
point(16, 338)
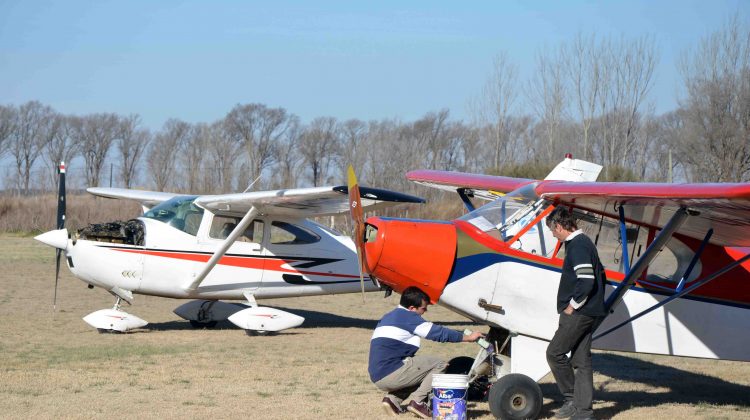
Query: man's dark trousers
point(573, 335)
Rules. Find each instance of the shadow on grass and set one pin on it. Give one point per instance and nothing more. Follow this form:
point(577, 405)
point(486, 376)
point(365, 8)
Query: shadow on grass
point(313, 319)
point(684, 387)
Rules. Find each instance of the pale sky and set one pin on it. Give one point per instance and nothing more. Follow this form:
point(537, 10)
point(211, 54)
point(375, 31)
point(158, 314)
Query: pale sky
point(195, 60)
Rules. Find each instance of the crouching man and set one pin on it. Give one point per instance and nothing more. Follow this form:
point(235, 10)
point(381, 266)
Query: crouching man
point(394, 367)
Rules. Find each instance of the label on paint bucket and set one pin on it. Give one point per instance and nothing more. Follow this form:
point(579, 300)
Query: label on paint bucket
point(449, 396)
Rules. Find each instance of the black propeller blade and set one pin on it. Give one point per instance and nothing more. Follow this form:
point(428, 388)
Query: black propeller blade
point(60, 225)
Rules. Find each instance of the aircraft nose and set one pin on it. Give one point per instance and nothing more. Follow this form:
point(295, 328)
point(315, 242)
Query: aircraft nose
point(54, 238)
point(404, 252)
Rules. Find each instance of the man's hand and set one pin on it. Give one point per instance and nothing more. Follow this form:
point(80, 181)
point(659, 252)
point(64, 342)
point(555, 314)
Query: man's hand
point(569, 310)
point(476, 335)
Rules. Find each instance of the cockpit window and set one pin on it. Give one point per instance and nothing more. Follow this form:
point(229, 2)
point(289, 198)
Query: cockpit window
point(283, 233)
point(505, 217)
point(178, 212)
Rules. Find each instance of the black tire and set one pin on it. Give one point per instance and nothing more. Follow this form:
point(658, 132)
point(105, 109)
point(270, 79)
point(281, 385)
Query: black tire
point(258, 333)
point(199, 324)
point(515, 397)
point(460, 365)
point(479, 388)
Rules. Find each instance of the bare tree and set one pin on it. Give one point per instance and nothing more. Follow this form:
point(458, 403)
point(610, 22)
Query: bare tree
point(288, 157)
point(716, 108)
point(495, 106)
point(131, 143)
point(319, 145)
point(548, 95)
point(8, 120)
point(583, 63)
point(193, 156)
point(257, 128)
point(353, 145)
point(61, 148)
point(94, 135)
point(222, 155)
point(34, 128)
point(162, 157)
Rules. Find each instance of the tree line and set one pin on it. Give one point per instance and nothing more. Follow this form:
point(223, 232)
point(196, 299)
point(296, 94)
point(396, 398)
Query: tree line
point(589, 97)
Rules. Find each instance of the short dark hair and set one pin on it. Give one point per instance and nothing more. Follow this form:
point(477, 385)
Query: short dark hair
point(563, 217)
point(413, 296)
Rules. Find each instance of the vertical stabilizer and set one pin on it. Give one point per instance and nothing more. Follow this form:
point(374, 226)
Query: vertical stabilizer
point(575, 170)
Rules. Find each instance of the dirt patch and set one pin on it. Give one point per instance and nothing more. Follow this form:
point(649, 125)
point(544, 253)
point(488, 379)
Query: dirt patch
point(53, 365)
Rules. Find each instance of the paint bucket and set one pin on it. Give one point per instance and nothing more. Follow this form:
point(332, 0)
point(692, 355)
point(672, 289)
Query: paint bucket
point(449, 396)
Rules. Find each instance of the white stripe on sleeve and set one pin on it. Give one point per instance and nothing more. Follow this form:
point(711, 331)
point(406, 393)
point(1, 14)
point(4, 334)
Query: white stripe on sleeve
point(423, 329)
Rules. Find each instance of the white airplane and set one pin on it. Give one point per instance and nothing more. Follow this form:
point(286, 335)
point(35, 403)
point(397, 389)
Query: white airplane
point(246, 246)
point(687, 292)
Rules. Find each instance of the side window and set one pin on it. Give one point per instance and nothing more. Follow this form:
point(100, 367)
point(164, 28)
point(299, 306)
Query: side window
point(606, 235)
point(283, 233)
point(222, 226)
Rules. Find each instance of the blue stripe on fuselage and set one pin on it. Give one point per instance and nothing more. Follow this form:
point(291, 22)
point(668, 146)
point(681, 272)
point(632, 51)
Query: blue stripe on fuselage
point(473, 263)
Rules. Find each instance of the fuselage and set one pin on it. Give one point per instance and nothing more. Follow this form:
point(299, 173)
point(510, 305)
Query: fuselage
point(508, 278)
point(280, 258)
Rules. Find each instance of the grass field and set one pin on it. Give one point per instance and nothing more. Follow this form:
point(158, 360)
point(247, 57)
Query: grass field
point(53, 365)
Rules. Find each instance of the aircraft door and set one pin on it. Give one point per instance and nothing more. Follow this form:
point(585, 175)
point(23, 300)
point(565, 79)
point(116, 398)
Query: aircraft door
point(242, 267)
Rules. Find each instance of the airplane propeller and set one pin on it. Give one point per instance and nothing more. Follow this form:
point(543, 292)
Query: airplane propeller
point(60, 225)
point(357, 215)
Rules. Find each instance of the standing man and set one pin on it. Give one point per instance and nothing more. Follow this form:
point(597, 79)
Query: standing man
point(580, 303)
point(393, 366)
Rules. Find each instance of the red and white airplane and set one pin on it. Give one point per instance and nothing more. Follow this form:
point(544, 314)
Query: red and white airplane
point(246, 246)
point(678, 276)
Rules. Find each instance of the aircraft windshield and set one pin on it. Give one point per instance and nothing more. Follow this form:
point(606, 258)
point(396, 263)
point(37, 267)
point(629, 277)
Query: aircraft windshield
point(178, 212)
point(507, 215)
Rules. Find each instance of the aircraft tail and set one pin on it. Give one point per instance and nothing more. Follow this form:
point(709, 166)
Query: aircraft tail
point(575, 170)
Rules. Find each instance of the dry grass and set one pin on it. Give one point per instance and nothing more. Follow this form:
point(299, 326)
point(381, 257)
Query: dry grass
point(35, 214)
point(53, 365)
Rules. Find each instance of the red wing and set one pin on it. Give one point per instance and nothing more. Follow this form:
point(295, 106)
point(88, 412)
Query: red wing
point(722, 207)
point(480, 185)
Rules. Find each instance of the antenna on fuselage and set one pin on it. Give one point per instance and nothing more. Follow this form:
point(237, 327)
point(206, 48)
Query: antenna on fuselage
point(251, 184)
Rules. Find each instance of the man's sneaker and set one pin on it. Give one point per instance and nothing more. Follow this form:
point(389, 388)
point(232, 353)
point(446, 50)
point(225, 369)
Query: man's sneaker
point(419, 409)
point(390, 408)
point(567, 410)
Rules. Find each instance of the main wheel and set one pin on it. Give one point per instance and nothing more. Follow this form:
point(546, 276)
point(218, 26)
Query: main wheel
point(515, 397)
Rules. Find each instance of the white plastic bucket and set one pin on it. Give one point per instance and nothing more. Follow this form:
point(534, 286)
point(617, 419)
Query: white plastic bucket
point(449, 396)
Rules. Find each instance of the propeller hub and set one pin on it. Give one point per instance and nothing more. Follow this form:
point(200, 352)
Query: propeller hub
point(55, 238)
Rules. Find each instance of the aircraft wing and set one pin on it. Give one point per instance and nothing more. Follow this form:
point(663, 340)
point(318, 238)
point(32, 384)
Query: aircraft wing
point(147, 199)
point(303, 202)
point(724, 207)
point(488, 187)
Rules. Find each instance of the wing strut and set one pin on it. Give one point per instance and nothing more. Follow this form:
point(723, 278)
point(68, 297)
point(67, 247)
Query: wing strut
point(465, 198)
point(651, 252)
point(683, 292)
point(238, 230)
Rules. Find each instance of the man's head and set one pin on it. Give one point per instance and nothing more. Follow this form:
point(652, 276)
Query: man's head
point(561, 222)
point(414, 299)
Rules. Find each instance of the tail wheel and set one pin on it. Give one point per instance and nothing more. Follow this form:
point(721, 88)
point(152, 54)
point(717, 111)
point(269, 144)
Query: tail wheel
point(515, 397)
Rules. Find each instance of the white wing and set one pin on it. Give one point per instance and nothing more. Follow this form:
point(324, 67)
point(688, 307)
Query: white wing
point(147, 199)
point(302, 202)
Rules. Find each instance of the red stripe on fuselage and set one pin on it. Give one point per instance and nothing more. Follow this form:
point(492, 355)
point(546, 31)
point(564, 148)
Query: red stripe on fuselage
point(272, 264)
